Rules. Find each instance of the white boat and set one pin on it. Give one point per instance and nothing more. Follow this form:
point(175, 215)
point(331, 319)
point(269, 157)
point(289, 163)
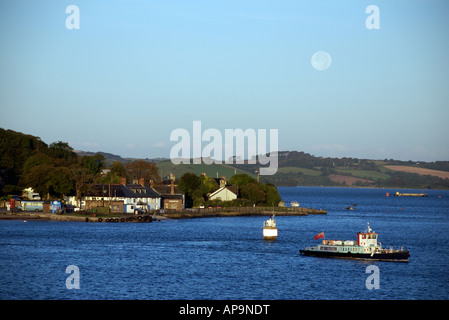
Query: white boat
point(294, 204)
point(270, 231)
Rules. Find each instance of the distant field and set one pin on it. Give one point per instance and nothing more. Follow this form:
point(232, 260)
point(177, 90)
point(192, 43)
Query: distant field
point(364, 174)
point(421, 171)
point(213, 170)
point(309, 172)
point(349, 181)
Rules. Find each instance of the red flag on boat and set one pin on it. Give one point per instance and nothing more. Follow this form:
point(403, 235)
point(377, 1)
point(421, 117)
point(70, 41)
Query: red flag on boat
point(319, 235)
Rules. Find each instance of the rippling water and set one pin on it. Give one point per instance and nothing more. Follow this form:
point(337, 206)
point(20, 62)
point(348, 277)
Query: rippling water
point(226, 258)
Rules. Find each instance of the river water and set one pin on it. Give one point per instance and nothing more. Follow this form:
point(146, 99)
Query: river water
point(226, 258)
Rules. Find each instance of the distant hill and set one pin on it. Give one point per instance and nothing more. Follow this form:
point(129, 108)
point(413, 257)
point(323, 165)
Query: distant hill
point(295, 168)
point(420, 171)
point(302, 169)
point(109, 157)
point(214, 170)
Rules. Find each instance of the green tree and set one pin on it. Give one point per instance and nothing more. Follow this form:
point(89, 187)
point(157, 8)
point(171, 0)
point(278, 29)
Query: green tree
point(38, 178)
point(116, 173)
point(81, 178)
point(15, 148)
point(61, 182)
point(241, 179)
point(188, 184)
point(208, 185)
point(141, 169)
point(253, 192)
point(61, 150)
point(272, 195)
point(93, 163)
point(36, 160)
point(50, 180)
point(62, 154)
point(118, 169)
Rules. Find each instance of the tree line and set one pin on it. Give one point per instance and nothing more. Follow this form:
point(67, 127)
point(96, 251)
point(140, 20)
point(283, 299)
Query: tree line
point(55, 170)
point(250, 192)
point(329, 166)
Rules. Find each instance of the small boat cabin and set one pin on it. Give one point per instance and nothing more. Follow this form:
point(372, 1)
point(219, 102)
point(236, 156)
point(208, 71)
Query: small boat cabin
point(367, 238)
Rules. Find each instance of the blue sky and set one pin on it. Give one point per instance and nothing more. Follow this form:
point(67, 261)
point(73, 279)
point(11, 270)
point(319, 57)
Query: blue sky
point(137, 70)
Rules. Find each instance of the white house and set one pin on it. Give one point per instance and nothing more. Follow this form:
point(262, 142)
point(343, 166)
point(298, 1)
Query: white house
point(224, 193)
point(126, 198)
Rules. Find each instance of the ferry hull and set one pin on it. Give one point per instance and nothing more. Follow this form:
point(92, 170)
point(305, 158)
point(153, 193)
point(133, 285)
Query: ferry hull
point(270, 233)
point(400, 256)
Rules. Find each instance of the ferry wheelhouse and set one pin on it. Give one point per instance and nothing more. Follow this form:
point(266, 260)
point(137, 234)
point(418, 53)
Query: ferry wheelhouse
point(366, 247)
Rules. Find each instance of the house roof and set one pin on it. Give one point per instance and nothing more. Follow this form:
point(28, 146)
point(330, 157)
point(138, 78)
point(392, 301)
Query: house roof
point(166, 189)
point(140, 191)
point(121, 191)
point(233, 189)
point(172, 196)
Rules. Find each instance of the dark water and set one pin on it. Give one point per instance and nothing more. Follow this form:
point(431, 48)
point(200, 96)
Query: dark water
point(226, 258)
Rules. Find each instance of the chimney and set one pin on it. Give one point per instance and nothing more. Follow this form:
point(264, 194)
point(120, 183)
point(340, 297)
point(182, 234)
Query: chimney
point(151, 183)
point(123, 181)
point(142, 182)
point(223, 182)
point(172, 187)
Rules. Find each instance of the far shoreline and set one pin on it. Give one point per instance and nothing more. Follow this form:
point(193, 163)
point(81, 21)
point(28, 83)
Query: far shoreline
point(366, 187)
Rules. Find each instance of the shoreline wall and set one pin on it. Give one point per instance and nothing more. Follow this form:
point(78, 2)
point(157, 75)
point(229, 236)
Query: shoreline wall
point(184, 214)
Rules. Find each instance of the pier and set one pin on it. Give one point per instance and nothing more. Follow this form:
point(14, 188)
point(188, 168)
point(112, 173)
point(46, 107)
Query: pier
point(240, 212)
point(189, 213)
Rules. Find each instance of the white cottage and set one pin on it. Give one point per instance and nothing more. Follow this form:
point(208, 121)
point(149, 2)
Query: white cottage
point(226, 193)
point(125, 198)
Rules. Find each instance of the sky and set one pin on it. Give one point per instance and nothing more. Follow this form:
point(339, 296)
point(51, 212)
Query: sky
point(135, 71)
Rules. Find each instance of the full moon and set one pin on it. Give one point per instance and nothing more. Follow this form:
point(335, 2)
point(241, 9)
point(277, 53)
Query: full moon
point(321, 60)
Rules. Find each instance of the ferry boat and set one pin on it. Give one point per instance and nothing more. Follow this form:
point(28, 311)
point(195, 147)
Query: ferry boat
point(399, 194)
point(270, 231)
point(366, 248)
point(294, 204)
